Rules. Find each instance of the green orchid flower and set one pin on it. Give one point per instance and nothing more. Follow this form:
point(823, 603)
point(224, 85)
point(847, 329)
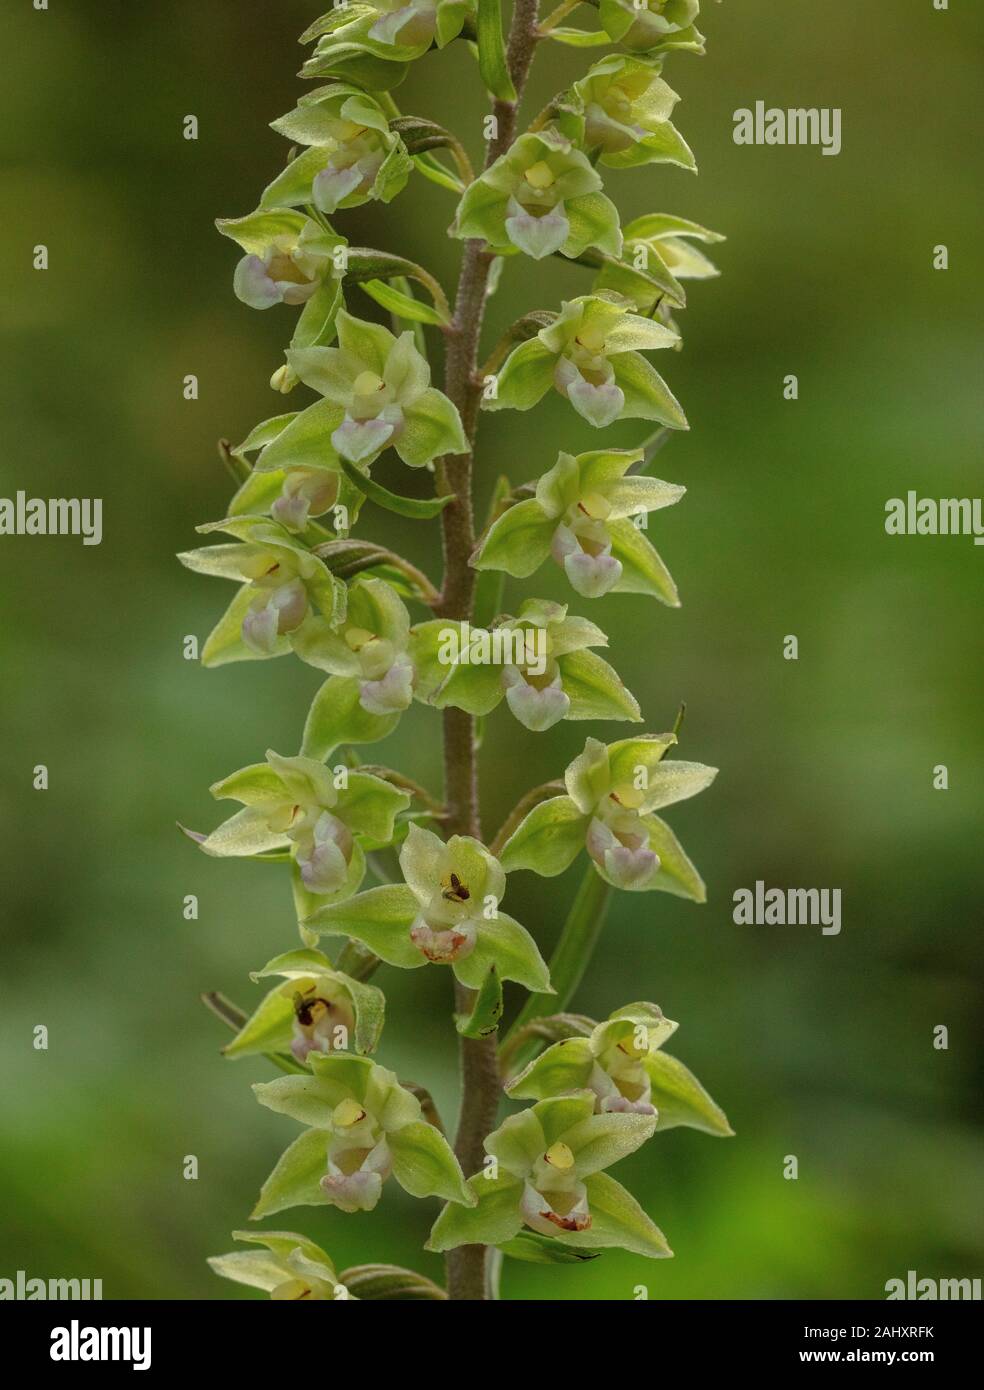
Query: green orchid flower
point(580, 517)
point(592, 355)
point(283, 587)
point(653, 26)
point(353, 157)
point(623, 109)
point(315, 1009)
point(541, 196)
point(622, 1064)
point(363, 1127)
point(446, 913)
point(392, 29)
point(540, 663)
point(548, 1175)
point(380, 387)
point(371, 660)
point(612, 794)
point(296, 474)
point(288, 256)
point(657, 255)
point(320, 815)
point(290, 1269)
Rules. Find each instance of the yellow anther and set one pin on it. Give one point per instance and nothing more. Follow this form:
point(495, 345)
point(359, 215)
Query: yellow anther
point(347, 1113)
point(593, 339)
point(628, 796)
point(596, 506)
point(539, 175)
point(357, 637)
point(367, 384)
point(560, 1156)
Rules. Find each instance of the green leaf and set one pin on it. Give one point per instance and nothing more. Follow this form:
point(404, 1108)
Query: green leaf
point(532, 1248)
point(492, 51)
point(486, 1010)
point(424, 1165)
point(419, 508)
point(548, 840)
point(490, 585)
point(432, 168)
point(403, 305)
point(681, 1099)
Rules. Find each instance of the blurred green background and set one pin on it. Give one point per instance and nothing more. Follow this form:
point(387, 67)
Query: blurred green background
point(818, 1047)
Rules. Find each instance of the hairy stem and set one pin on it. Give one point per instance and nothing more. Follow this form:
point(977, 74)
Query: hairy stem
point(468, 1266)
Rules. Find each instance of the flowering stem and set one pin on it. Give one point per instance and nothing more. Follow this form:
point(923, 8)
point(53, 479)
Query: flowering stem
point(467, 1266)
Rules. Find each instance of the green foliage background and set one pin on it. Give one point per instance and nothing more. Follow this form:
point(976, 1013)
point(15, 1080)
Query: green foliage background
point(818, 1047)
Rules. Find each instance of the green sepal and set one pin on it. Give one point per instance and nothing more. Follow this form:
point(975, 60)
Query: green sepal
point(337, 717)
point(424, 1165)
point(564, 1067)
point(518, 542)
point(296, 1177)
point(677, 875)
point(595, 688)
point(380, 918)
point(493, 1219)
point(618, 1221)
point(681, 1099)
point(548, 840)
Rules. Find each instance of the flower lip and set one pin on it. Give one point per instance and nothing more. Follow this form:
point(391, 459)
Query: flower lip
point(442, 945)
